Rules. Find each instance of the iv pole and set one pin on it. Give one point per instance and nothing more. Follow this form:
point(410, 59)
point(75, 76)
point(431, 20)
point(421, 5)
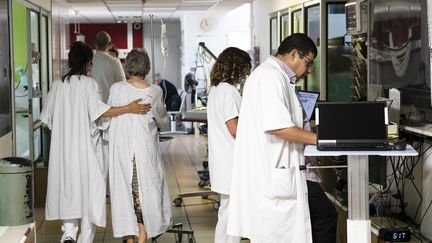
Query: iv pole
point(152, 47)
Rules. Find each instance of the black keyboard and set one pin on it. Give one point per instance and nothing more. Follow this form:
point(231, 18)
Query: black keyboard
point(355, 147)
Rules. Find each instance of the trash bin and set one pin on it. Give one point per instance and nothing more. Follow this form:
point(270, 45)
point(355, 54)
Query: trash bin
point(16, 189)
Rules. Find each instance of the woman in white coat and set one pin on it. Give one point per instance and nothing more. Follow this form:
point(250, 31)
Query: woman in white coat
point(269, 194)
point(232, 66)
point(76, 184)
point(140, 203)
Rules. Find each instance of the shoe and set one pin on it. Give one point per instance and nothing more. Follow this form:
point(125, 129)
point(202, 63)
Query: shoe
point(69, 240)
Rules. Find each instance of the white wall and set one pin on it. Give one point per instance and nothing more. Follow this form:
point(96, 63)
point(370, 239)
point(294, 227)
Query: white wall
point(6, 145)
point(422, 174)
point(231, 28)
point(261, 27)
point(60, 36)
point(426, 226)
point(172, 69)
point(277, 5)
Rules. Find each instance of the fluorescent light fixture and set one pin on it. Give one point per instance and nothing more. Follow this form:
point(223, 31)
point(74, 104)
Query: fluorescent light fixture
point(202, 1)
point(123, 1)
point(126, 13)
point(160, 9)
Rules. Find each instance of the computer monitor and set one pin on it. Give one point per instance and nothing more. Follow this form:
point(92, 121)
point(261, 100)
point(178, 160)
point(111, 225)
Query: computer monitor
point(356, 122)
point(308, 100)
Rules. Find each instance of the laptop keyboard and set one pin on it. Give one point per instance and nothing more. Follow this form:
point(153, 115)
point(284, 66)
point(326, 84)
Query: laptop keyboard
point(355, 147)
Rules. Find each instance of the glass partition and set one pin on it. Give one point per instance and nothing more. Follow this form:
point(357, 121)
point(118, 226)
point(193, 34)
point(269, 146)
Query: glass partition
point(273, 36)
point(37, 44)
point(339, 49)
point(22, 82)
point(297, 21)
point(312, 15)
point(284, 20)
point(297, 27)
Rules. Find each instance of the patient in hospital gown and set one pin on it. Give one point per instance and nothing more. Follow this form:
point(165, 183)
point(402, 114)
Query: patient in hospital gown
point(140, 201)
point(76, 183)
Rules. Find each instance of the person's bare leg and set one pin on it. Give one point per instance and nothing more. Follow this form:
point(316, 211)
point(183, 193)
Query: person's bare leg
point(130, 239)
point(142, 233)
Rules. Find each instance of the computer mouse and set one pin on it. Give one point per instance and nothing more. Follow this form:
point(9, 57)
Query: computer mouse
point(399, 145)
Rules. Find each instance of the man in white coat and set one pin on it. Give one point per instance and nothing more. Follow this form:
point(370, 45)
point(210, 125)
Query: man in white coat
point(106, 70)
point(269, 194)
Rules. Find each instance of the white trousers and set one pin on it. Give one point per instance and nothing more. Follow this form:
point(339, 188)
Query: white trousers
point(221, 235)
point(70, 229)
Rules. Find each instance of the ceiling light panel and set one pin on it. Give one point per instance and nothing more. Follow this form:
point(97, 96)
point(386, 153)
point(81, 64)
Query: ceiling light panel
point(160, 9)
point(123, 2)
point(127, 13)
point(201, 1)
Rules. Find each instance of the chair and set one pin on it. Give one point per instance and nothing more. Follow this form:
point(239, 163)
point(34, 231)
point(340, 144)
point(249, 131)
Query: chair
point(174, 114)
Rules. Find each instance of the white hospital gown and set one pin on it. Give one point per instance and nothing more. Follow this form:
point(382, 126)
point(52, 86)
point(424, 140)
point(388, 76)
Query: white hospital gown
point(76, 184)
point(133, 135)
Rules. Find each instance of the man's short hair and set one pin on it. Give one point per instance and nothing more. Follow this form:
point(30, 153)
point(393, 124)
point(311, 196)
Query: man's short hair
point(138, 62)
point(102, 39)
point(298, 41)
point(157, 76)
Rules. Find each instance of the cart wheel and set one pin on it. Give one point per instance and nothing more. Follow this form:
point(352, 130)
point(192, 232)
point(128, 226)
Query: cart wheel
point(177, 226)
point(178, 201)
point(191, 239)
point(201, 183)
point(216, 205)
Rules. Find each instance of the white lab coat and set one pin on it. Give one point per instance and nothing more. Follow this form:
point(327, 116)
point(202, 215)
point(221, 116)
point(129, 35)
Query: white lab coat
point(269, 201)
point(106, 70)
point(76, 184)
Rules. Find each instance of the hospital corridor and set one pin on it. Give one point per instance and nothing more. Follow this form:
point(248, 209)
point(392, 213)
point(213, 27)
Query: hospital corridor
point(215, 121)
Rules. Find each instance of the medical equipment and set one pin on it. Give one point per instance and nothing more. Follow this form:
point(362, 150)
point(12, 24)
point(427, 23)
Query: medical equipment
point(23, 77)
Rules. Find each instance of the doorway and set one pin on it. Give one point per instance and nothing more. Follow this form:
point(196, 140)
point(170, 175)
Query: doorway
point(30, 45)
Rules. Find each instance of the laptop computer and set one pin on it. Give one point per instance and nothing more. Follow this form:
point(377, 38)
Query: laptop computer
point(308, 99)
point(352, 126)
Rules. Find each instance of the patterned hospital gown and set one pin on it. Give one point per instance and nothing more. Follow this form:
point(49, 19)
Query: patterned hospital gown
point(129, 136)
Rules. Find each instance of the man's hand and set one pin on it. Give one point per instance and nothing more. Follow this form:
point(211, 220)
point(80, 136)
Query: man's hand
point(137, 108)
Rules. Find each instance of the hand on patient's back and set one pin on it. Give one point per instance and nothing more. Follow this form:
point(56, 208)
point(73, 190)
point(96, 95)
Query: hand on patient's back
point(137, 108)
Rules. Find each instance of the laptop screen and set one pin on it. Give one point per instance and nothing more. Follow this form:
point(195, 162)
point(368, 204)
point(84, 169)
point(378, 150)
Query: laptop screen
point(308, 100)
point(352, 122)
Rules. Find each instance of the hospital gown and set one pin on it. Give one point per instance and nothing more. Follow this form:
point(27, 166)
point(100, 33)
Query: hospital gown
point(76, 184)
point(136, 136)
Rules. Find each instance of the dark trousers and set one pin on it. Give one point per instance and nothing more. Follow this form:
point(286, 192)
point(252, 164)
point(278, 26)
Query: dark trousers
point(323, 215)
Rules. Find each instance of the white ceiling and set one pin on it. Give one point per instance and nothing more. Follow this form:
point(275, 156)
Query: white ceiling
point(111, 11)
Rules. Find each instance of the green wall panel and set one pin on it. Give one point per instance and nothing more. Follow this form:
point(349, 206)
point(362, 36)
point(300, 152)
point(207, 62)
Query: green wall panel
point(19, 32)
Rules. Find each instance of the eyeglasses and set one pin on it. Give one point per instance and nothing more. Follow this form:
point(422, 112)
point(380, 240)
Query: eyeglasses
point(310, 62)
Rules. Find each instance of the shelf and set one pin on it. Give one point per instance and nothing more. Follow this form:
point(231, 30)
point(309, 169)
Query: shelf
point(425, 130)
